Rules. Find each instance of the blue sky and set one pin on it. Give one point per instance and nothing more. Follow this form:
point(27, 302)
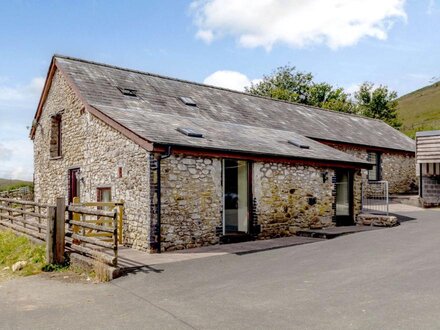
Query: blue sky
point(222, 42)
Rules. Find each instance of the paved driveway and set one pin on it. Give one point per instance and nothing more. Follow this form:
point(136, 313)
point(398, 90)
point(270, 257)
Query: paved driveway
point(381, 279)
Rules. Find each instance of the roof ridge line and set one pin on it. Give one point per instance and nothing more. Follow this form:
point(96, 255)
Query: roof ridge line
point(211, 86)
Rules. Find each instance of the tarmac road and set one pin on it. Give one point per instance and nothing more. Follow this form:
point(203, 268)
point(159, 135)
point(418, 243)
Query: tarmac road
point(381, 279)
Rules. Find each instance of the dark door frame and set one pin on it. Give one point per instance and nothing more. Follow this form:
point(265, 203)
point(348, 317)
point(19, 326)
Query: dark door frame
point(250, 197)
point(346, 220)
point(72, 182)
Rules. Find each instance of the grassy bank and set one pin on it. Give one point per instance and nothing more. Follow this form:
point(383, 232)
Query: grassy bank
point(15, 248)
point(420, 110)
point(6, 184)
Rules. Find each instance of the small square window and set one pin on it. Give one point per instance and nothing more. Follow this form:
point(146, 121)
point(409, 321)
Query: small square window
point(104, 195)
point(374, 174)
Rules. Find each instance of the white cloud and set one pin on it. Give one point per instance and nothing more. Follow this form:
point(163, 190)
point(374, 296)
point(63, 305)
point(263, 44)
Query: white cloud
point(229, 79)
point(22, 92)
point(297, 23)
point(18, 103)
point(205, 35)
point(16, 159)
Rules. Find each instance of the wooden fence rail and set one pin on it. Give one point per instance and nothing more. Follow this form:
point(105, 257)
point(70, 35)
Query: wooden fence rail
point(77, 237)
point(23, 193)
point(117, 206)
point(97, 238)
point(25, 217)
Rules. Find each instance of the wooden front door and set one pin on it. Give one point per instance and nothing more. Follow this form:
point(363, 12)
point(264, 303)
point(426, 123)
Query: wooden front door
point(74, 184)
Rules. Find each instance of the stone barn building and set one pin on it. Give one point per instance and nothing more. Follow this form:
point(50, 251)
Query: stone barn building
point(196, 164)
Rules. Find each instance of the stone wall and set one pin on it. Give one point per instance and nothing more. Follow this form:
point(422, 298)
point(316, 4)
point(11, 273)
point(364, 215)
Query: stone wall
point(284, 194)
point(397, 168)
point(430, 191)
point(191, 201)
point(99, 151)
point(286, 198)
point(51, 174)
point(400, 172)
point(357, 192)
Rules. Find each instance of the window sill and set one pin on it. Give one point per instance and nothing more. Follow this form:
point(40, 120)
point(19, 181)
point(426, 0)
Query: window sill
point(55, 158)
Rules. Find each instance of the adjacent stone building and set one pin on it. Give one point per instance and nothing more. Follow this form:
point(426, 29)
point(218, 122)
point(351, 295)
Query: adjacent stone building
point(198, 165)
point(428, 167)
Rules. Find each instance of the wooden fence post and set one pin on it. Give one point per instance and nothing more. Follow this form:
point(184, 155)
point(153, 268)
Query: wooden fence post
point(55, 232)
point(120, 220)
point(37, 209)
point(50, 234)
point(60, 228)
point(115, 236)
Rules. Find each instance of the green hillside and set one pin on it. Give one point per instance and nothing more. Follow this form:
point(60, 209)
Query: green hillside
point(420, 110)
point(6, 184)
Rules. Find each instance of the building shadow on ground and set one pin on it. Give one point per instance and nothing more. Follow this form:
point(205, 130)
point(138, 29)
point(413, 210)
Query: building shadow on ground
point(403, 218)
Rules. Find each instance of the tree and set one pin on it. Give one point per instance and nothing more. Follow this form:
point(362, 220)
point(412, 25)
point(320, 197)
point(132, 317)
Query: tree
point(286, 83)
point(325, 96)
point(379, 103)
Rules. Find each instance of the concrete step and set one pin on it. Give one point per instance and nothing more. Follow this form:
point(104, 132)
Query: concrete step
point(332, 232)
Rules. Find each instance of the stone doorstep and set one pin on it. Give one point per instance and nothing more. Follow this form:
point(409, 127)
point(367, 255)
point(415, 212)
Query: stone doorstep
point(377, 220)
point(333, 232)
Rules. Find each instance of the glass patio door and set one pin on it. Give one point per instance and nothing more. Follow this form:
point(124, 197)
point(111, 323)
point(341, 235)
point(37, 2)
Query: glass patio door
point(344, 200)
point(235, 196)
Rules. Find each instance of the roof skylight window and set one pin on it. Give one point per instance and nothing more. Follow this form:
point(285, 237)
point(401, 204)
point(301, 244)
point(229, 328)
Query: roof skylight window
point(190, 132)
point(298, 144)
point(128, 91)
point(188, 101)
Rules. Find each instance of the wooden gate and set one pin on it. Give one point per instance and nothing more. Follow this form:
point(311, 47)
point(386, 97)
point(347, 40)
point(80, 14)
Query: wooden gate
point(100, 221)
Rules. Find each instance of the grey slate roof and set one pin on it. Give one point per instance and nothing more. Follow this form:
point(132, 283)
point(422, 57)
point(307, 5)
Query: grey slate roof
point(231, 120)
point(162, 128)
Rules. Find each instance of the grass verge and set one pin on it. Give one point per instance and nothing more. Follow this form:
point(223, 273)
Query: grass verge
point(15, 248)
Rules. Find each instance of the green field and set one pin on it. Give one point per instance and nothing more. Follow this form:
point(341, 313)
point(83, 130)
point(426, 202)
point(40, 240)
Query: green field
point(6, 184)
point(420, 110)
